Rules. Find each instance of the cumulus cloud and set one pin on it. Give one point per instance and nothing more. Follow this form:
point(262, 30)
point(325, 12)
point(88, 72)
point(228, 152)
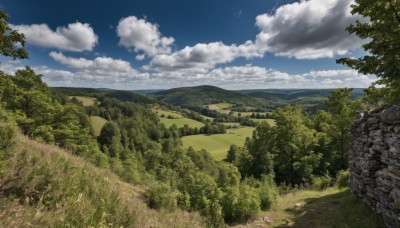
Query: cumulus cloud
point(101, 71)
point(143, 36)
point(255, 77)
point(204, 56)
point(308, 29)
point(76, 37)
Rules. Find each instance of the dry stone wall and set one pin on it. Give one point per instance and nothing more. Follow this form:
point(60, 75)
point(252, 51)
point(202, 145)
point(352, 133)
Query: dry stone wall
point(375, 162)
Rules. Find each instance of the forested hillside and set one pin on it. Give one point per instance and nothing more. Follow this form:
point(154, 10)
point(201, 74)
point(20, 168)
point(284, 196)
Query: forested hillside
point(204, 95)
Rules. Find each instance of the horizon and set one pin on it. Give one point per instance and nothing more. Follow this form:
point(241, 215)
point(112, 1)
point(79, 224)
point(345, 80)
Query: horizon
point(234, 45)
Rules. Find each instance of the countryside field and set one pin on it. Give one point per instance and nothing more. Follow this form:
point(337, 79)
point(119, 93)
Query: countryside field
point(97, 123)
point(177, 119)
point(86, 101)
point(218, 144)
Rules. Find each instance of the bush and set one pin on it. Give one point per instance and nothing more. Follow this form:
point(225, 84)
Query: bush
point(268, 193)
point(342, 179)
point(8, 135)
point(160, 196)
point(322, 182)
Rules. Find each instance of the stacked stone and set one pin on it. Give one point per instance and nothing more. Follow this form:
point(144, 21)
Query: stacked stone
point(374, 164)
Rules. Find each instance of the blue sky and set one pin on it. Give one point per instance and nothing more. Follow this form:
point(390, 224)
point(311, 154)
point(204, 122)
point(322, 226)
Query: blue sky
point(149, 44)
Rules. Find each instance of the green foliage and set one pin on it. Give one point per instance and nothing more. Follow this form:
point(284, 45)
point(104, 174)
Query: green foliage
point(204, 95)
point(382, 47)
point(342, 179)
point(8, 133)
point(160, 196)
point(336, 125)
point(10, 39)
point(321, 182)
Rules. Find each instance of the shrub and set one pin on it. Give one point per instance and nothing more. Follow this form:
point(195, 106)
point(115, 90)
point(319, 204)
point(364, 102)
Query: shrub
point(322, 182)
point(268, 193)
point(8, 135)
point(342, 179)
point(160, 196)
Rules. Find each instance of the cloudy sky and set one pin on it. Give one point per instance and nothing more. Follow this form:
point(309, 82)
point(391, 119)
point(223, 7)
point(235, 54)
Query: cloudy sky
point(156, 44)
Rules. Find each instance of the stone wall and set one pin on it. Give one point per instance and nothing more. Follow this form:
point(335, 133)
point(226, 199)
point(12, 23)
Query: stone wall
point(375, 162)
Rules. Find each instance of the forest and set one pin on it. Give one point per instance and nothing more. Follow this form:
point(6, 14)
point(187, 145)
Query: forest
point(304, 148)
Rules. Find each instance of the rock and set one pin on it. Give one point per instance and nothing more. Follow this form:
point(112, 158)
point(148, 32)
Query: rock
point(391, 115)
point(267, 219)
point(297, 205)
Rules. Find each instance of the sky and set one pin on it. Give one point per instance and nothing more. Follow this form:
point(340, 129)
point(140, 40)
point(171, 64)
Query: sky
point(155, 44)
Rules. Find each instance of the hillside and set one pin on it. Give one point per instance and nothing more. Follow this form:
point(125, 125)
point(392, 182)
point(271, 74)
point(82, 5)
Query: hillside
point(293, 94)
point(203, 95)
point(45, 186)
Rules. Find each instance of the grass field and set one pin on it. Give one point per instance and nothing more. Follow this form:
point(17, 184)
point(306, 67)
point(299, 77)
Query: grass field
point(219, 144)
point(329, 208)
point(220, 107)
point(97, 123)
point(231, 124)
point(86, 101)
point(160, 112)
point(181, 122)
point(270, 121)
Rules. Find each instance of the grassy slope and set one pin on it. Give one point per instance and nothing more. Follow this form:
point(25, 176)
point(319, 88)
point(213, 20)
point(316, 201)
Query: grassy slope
point(218, 144)
point(328, 208)
point(179, 120)
point(97, 123)
point(86, 101)
point(52, 188)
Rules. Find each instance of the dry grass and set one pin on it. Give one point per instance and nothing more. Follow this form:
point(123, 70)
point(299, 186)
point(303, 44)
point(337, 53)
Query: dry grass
point(329, 208)
point(73, 194)
point(97, 123)
point(86, 101)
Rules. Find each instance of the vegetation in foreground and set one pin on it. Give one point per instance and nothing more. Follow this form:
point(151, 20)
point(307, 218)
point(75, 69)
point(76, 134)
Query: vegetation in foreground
point(313, 209)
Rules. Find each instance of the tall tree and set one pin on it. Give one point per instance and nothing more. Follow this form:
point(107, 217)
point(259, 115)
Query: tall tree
point(381, 30)
point(10, 39)
point(343, 111)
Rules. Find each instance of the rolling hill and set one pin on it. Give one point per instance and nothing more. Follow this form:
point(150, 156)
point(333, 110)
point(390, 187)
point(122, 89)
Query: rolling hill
point(203, 95)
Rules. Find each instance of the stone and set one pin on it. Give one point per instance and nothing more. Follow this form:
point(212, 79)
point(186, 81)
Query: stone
point(391, 115)
point(297, 205)
point(267, 219)
point(374, 162)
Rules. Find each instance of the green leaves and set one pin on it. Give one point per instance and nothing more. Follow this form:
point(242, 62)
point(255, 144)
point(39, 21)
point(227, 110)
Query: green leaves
point(10, 40)
point(381, 30)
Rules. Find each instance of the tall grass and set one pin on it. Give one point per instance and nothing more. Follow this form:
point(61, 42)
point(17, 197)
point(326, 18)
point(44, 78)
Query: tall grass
point(45, 186)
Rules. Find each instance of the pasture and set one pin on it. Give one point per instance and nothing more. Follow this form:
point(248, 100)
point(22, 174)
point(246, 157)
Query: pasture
point(218, 144)
point(97, 123)
point(86, 101)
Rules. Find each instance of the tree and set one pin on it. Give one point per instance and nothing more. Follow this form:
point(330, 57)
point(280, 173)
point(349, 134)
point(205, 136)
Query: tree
point(294, 146)
point(10, 39)
point(343, 111)
point(382, 45)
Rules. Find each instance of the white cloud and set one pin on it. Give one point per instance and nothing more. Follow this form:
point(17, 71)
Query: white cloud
point(233, 77)
point(101, 71)
point(76, 37)
point(204, 56)
point(309, 29)
point(141, 35)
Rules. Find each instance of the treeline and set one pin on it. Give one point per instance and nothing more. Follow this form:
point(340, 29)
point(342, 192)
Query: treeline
point(300, 149)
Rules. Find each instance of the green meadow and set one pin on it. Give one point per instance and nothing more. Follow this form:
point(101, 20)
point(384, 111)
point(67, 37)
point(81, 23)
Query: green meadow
point(97, 123)
point(218, 144)
point(86, 101)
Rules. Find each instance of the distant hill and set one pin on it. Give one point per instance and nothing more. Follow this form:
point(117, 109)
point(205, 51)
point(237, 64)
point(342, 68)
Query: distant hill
point(203, 95)
point(293, 94)
point(110, 93)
